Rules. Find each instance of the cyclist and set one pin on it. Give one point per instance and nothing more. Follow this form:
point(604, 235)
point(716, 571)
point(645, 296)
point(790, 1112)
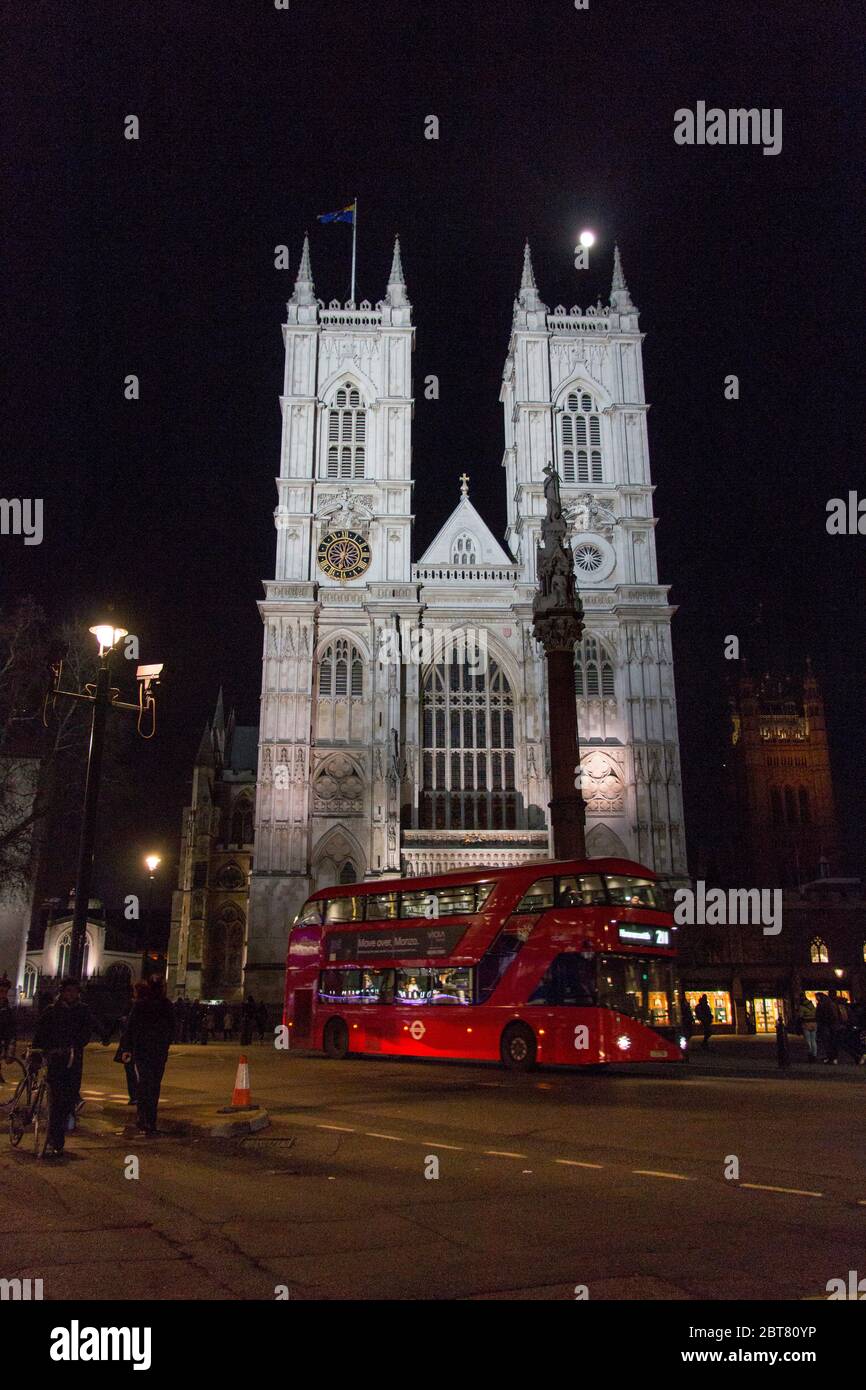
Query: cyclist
point(62, 1033)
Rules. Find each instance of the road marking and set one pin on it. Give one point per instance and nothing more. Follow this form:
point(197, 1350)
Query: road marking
point(502, 1153)
point(654, 1173)
point(573, 1163)
point(793, 1191)
point(340, 1129)
point(434, 1144)
point(371, 1134)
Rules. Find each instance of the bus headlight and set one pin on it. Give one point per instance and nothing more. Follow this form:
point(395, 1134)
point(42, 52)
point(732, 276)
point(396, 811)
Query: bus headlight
point(684, 1042)
point(623, 1042)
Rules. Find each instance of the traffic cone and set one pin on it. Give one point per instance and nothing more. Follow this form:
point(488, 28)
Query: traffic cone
point(241, 1095)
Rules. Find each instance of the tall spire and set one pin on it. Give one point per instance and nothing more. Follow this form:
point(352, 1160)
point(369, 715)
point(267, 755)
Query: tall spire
point(396, 276)
point(528, 299)
point(395, 306)
point(527, 281)
point(304, 292)
point(620, 298)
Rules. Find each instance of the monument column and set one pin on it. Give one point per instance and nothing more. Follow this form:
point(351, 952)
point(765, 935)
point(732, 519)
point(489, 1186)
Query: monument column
point(557, 622)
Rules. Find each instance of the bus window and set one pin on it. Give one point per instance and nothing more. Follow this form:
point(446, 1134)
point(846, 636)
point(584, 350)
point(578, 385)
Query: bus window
point(377, 986)
point(414, 986)
point(381, 907)
point(309, 914)
point(457, 901)
point(344, 910)
point(482, 893)
point(633, 892)
point(420, 904)
point(580, 890)
point(452, 986)
point(343, 986)
point(495, 961)
point(569, 979)
point(537, 897)
point(622, 985)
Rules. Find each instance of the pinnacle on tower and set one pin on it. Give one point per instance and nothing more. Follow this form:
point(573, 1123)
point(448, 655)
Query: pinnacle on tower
point(396, 295)
point(304, 291)
point(396, 276)
point(527, 281)
point(619, 294)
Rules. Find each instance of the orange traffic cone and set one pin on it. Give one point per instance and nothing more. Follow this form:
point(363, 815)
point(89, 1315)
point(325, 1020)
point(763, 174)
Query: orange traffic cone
point(241, 1095)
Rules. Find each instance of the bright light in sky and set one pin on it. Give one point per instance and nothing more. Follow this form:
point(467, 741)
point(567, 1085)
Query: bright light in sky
point(587, 239)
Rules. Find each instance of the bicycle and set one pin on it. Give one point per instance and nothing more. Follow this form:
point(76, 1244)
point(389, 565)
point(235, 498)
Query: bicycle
point(30, 1106)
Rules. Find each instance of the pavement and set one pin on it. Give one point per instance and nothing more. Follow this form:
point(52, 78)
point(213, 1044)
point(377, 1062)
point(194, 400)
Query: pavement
point(390, 1179)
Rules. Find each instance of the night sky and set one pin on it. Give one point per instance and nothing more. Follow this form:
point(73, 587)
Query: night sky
point(156, 257)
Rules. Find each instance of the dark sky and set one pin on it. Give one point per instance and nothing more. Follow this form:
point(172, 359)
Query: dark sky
point(156, 257)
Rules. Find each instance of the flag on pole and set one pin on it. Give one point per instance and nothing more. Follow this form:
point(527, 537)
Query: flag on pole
point(346, 214)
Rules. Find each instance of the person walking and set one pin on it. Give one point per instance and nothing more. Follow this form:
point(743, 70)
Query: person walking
point(179, 1008)
point(248, 1019)
point(145, 1043)
point(228, 1024)
point(193, 1021)
point(704, 1016)
point(261, 1019)
point(806, 1015)
point(8, 1030)
point(826, 1020)
point(206, 1025)
point(62, 1033)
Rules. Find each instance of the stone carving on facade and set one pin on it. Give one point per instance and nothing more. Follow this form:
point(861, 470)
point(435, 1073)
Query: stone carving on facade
point(347, 511)
point(337, 786)
point(557, 613)
point(602, 782)
point(586, 514)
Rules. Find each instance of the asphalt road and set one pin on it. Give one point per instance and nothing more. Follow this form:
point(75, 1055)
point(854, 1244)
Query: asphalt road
point(546, 1182)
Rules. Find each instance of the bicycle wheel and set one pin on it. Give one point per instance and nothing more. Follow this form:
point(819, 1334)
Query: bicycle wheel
point(19, 1112)
point(14, 1072)
point(41, 1118)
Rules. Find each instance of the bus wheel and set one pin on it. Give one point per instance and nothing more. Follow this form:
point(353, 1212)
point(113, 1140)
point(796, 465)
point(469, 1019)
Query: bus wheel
point(517, 1047)
point(336, 1039)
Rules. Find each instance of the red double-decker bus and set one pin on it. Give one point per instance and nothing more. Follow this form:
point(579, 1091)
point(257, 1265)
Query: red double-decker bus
point(569, 962)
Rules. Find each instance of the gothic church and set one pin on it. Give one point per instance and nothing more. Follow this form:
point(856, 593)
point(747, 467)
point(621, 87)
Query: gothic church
point(369, 766)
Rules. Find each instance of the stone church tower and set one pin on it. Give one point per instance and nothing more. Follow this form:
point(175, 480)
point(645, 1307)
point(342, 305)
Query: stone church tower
point(438, 759)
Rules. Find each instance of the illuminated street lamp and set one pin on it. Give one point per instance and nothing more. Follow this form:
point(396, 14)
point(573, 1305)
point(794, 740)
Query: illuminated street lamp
point(587, 239)
point(152, 862)
point(102, 696)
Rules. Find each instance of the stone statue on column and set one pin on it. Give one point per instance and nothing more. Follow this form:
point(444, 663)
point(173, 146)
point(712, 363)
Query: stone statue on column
point(557, 622)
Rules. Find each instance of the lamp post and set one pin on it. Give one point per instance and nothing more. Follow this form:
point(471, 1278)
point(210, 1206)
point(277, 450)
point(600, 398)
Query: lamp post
point(102, 696)
point(152, 862)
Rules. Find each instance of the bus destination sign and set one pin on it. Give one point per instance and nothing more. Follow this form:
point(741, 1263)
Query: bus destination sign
point(649, 936)
point(392, 943)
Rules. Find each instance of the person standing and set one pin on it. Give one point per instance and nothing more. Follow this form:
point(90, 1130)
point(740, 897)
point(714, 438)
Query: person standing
point(149, 1031)
point(248, 1020)
point(826, 1021)
point(206, 1023)
point(129, 1065)
point(806, 1015)
point(193, 1021)
point(8, 1029)
point(62, 1033)
point(180, 1019)
point(704, 1016)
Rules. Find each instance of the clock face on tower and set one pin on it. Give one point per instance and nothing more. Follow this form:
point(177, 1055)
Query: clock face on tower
point(343, 555)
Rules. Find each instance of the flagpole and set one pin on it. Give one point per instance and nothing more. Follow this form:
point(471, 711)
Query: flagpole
point(354, 246)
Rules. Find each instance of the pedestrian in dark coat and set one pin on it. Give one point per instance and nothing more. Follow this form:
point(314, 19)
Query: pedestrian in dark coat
point(248, 1020)
point(180, 1019)
point(145, 1043)
point(193, 1021)
point(704, 1016)
point(129, 1065)
point(62, 1033)
point(8, 1031)
point(827, 1020)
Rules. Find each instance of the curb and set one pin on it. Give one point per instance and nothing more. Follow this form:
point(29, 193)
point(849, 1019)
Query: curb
point(206, 1122)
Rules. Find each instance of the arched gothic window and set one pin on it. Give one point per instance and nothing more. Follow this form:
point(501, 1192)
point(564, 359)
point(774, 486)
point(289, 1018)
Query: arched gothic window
point(465, 551)
point(593, 670)
point(790, 806)
point(64, 955)
point(468, 732)
point(818, 953)
point(341, 670)
point(805, 813)
point(348, 873)
point(580, 439)
point(347, 435)
point(242, 822)
point(31, 979)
